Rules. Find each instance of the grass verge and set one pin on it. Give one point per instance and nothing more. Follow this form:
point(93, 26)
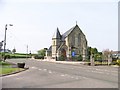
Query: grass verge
point(6, 68)
point(9, 70)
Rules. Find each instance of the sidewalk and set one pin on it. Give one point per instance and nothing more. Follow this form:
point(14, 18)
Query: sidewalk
point(67, 62)
point(76, 63)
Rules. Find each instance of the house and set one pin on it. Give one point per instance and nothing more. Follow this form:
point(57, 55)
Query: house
point(70, 44)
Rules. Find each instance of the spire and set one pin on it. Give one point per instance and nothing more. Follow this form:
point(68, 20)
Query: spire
point(76, 22)
point(57, 34)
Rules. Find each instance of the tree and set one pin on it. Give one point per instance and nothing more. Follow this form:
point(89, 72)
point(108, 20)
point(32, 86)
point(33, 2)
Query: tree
point(79, 58)
point(41, 52)
point(13, 51)
point(89, 52)
point(94, 51)
point(106, 54)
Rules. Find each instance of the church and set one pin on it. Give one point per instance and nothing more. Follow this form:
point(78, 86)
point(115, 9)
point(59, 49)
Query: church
point(68, 45)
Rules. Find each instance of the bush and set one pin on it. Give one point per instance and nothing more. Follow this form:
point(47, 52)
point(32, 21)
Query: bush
point(118, 62)
point(61, 58)
point(38, 57)
point(113, 63)
point(79, 58)
point(7, 56)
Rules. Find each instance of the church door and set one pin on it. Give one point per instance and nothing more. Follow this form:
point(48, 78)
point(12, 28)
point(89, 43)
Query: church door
point(63, 52)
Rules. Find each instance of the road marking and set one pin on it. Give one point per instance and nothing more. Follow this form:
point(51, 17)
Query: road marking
point(34, 67)
point(49, 71)
point(45, 69)
point(39, 69)
point(66, 74)
point(62, 75)
point(77, 78)
point(85, 77)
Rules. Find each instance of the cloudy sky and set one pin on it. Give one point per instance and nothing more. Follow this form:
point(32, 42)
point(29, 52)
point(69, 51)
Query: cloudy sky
point(35, 21)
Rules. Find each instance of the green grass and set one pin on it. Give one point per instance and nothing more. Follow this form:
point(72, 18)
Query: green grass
point(4, 64)
point(8, 70)
point(16, 55)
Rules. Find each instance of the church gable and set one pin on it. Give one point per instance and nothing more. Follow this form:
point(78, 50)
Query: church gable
point(71, 41)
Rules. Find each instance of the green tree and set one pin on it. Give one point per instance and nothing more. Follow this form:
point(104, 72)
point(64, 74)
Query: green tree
point(94, 51)
point(89, 52)
point(13, 51)
point(41, 52)
point(79, 58)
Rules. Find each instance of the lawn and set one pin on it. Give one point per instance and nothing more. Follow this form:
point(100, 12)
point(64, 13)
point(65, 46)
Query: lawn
point(9, 70)
point(6, 68)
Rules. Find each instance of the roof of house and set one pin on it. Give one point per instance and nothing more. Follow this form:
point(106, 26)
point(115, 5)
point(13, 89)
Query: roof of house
point(50, 48)
point(69, 31)
point(115, 52)
point(57, 34)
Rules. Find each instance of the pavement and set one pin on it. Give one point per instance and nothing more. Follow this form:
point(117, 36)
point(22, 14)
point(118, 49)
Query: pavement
point(45, 74)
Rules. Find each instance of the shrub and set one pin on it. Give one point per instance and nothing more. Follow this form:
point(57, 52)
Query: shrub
point(118, 62)
point(38, 57)
point(7, 56)
point(113, 63)
point(61, 58)
point(79, 58)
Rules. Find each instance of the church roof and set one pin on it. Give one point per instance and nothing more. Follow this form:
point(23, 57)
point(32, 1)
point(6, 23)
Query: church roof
point(69, 31)
point(50, 48)
point(57, 34)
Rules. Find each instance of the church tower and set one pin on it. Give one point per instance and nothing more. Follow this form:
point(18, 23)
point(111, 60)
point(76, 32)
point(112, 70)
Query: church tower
point(56, 41)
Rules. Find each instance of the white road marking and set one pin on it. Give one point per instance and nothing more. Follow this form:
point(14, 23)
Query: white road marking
point(77, 78)
point(34, 67)
point(62, 75)
point(49, 71)
point(84, 77)
point(40, 69)
point(45, 69)
point(72, 77)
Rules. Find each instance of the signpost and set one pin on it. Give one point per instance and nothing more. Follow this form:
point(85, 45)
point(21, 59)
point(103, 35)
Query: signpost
point(73, 54)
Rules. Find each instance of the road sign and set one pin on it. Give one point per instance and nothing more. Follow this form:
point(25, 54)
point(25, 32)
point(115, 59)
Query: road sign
point(73, 54)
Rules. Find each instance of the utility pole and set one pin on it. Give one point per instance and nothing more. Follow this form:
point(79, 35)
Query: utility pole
point(27, 52)
point(4, 57)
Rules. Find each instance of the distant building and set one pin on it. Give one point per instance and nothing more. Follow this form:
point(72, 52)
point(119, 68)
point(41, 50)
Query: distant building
point(70, 44)
point(116, 54)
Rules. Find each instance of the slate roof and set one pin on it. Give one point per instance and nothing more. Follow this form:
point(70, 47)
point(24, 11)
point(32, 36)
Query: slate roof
point(50, 48)
point(57, 34)
point(69, 31)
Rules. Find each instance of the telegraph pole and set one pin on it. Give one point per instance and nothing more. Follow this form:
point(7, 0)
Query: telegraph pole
point(4, 57)
point(27, 52)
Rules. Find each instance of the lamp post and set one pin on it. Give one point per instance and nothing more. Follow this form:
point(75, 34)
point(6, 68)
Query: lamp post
point(5, 39)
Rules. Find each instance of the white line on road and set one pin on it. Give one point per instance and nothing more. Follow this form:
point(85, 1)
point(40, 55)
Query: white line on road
point(34, 67)
point(45, 69)
point(62, 75)
point(40, 69)
point(49, 71)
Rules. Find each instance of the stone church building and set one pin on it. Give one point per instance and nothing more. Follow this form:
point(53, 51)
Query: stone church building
point(70, 44)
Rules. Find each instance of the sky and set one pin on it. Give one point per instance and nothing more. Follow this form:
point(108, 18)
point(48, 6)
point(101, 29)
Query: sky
point(35, 21)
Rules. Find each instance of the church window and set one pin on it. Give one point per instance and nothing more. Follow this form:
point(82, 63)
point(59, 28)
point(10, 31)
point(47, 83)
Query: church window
point(76, 40)
point(53, 42)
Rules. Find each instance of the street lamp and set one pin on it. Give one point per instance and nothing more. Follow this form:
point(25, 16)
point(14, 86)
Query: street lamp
point(5, 39)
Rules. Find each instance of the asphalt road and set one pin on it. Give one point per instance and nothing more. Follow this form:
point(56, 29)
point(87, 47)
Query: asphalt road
point(43, 74)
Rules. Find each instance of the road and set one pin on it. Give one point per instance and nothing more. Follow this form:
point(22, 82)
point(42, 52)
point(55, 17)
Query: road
point(43, 74)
